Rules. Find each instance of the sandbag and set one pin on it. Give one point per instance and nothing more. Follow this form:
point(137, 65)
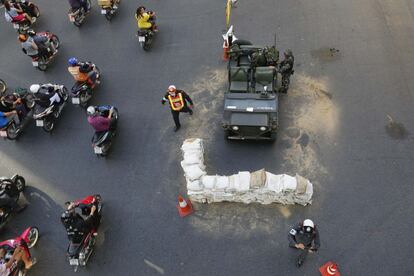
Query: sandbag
point(194, 185)
point(193, 172)
point(222, 183)
point(244, 181)
point(274, 182)
point(208, 181)
point(301, 184)
point(192, 144)
point(257, 179)
point(193, 157)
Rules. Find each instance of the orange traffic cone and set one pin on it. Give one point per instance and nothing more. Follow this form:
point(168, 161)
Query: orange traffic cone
point(329, 269)
point(225, 51)
point(184, 207)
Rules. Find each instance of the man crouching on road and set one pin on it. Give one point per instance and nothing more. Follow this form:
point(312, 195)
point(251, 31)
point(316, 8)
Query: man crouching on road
point(304, 236)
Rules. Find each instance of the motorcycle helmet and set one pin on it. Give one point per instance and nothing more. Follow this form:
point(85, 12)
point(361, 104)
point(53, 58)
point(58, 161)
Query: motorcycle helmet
point(73, 61)
point(34, 88)
point(172, 88)
point(22, 37)
point(91, 110)
point(288, 53)
point(31, 32)
point(308, 225)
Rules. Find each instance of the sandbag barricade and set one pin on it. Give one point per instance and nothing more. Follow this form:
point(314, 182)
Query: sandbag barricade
point(259, 186)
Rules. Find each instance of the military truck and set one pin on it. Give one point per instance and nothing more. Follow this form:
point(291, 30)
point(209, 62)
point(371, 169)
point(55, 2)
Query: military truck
point(251, 100)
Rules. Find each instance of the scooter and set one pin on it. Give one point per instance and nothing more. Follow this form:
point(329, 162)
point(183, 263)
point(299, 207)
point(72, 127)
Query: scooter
point(46, 117)
point(82, 92)
point(108, 9)
point(146, 36)
point(23, 24)
point(10, 187)
point(78, 16)
point(27, 240)
point(81, 246)
point(102, 141)
point(12, 130)
point(53, 44)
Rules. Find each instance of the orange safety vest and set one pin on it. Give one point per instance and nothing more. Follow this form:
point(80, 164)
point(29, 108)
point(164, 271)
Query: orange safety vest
point(77, 75)
point(176, 102)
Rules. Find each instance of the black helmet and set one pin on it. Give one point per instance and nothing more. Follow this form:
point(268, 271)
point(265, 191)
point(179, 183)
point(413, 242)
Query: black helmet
point(288, 53)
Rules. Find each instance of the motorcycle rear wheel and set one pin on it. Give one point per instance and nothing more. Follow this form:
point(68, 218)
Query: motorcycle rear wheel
point(48, 126)
point(12, 132)
point(3, 86)
point(33, 237)
point(109, 15)
point(20, 183)
point(55, 40)
point(42, 66)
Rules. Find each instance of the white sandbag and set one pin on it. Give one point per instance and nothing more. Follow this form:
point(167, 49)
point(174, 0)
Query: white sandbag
point(274, 182)
point(289, 183)
point(193, 172)
point(194, 185)
point(244, 181)
point(222, 183)
point(193, 157)
point(208, 181)
point(192, 144)
point(233, 179)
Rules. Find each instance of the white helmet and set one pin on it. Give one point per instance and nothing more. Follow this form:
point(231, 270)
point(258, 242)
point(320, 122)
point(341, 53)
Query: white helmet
point(34, 88)
point(172, 88)
point(308, 225)
point(90, 110)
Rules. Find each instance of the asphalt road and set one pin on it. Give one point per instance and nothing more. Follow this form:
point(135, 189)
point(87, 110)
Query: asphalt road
point(346, 124)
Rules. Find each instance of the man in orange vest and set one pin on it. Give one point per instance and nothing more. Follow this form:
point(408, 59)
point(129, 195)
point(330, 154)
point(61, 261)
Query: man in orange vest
point(178, 100)
point(82, 72)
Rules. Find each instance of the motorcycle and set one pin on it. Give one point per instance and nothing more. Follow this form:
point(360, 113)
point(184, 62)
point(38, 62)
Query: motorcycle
point(102, 141)
point(81, 245)
point(23, 24)
point(77, 16)
point(108, 9)
point(82, 92)
point(10, 187)
point(12, 130)
point(27, 240)
point(3, 86)
point(46, 117)
point(146, 36)
point(41, 62)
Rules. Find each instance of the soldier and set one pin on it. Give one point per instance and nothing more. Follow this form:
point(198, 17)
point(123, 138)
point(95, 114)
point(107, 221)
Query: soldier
point(305, 237)
point(286, 69)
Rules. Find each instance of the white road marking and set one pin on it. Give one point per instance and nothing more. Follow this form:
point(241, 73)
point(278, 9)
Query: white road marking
point(154, 266)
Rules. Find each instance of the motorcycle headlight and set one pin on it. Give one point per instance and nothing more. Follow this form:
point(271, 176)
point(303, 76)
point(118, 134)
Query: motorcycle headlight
point(235, 128)
point(262, 128)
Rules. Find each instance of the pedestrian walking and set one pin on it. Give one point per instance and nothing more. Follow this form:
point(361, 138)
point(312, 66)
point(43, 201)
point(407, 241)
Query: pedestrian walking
point(305, 237)
point(179, 102)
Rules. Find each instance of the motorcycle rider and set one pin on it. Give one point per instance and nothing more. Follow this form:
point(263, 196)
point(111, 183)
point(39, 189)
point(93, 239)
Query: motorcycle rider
point(5, 117)
point(16, 260)
point(49, 94)
point(97, 119)
point(145, 19)
point(35, 45)
point(286, 69)
point(9, 103)
point(77, 4)
point(82, 72)
point(76, 226)
point(14, 13)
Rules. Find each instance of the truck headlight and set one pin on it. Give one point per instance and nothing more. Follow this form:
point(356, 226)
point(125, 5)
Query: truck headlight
point(262, 128)
point(235, 128)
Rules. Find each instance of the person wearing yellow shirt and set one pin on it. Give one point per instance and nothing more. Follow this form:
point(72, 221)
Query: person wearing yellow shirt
point(146, 19)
